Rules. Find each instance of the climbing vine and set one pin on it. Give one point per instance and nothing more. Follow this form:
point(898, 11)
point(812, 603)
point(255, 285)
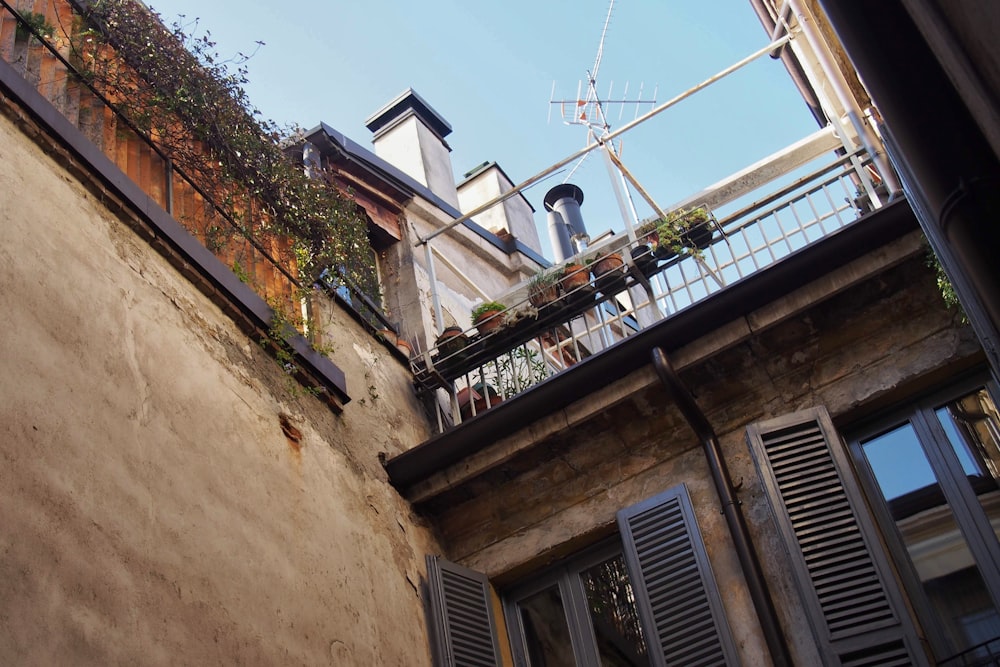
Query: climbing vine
point(177, 89)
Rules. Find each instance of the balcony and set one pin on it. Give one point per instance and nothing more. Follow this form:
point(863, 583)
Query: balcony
point(811, 200)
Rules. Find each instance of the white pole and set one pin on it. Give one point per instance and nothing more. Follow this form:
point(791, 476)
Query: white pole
point(624, 128)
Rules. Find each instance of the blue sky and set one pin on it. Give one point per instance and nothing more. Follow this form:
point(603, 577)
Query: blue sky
point(489, 69)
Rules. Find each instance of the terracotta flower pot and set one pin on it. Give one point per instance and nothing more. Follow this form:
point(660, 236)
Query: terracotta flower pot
point(482, 399)
point(575, 276)
point(488, 322)
point(543, 296)
point(451, 341)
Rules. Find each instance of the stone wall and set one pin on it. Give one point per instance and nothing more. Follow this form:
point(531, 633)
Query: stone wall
point(168, 494)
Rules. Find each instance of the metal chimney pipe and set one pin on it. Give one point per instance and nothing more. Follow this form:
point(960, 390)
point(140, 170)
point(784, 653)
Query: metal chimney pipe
point(562, 247)
point(565, 199)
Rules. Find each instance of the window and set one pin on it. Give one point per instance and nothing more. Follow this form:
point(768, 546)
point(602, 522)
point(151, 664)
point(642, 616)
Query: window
point(931, 472)
point(592, 589)
point(645, 598)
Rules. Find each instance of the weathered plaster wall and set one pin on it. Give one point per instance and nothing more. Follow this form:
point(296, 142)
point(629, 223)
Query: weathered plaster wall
point(857, 347)
point(167, 496)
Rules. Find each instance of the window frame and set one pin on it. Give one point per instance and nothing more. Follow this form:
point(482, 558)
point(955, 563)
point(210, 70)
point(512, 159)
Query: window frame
point(566, 575)
point(969, 515)
point(664, 525)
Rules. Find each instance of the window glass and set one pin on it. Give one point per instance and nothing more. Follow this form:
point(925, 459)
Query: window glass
point(546, 632)
point(923, 488)
point(613, 614)
point(973, 430)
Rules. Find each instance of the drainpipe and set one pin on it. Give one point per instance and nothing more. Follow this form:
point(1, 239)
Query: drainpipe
point(759, 594)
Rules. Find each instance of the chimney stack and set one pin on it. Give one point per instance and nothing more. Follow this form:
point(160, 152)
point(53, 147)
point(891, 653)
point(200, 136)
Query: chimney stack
point(409, 134)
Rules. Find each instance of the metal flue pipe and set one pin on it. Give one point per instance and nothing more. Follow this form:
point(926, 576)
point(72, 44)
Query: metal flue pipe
point(766, 613)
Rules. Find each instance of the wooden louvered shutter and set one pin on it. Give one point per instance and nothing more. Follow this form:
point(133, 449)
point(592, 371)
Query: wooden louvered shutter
point(840, 568)
point(675, 591)
point(464, 630)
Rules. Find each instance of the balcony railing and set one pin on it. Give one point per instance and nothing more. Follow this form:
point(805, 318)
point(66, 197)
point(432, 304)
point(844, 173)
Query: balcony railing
point(473, 371)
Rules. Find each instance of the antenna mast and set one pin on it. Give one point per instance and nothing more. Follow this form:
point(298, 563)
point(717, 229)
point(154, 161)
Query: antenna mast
point(591, 111)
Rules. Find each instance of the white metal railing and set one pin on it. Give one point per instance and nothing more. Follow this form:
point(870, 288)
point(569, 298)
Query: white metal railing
point(539, 343)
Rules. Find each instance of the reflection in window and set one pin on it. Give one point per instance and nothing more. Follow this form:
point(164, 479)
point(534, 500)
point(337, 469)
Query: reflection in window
point(546, 632)
point(922, 479)
point(582, 612)
point(613, 614)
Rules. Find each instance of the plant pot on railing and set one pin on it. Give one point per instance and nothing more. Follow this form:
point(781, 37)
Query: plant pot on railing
point(691, 229)
point(488, 317)
point(575, 282)
point(451, 343)
point(644, 259)
point(609, 272)
point(477, 399)
point(543, 288)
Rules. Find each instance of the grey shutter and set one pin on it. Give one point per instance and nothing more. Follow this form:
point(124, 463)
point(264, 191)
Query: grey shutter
point(676, 594)
point(841, 571)
point(464, 632)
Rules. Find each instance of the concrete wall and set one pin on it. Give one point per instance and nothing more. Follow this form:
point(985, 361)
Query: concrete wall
point(878, 341)
point(168, 494)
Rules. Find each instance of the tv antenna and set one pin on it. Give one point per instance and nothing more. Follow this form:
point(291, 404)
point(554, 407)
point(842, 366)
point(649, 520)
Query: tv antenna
point(592, 111)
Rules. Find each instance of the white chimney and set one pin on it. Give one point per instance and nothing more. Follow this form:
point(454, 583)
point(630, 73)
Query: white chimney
point(409, 135)
point(514, 215)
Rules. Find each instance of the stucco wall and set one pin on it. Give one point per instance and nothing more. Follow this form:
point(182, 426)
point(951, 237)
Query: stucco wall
point(167, 495)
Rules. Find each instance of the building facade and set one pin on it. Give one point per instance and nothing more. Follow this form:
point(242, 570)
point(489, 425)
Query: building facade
point(798, 468)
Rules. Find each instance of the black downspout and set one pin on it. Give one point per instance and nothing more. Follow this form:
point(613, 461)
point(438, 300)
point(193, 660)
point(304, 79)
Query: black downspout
point(766, 614)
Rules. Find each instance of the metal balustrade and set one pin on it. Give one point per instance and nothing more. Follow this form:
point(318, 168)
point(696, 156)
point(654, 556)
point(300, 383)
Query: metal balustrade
point(537, 343)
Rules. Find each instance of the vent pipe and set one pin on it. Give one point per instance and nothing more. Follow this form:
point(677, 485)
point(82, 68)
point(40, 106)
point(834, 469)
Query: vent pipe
point(559, 237)
point(565, 200)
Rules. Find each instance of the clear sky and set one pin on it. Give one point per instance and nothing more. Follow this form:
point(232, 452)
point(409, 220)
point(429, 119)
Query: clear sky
point(489, 67)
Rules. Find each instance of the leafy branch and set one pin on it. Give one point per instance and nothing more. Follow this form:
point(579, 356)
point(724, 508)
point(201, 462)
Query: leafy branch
point(190, 101)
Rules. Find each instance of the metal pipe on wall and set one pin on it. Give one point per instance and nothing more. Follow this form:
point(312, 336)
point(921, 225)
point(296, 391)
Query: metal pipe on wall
point(759, 594)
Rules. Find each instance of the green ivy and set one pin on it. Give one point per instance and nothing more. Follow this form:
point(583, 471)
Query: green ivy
point(945, 286)
point(191, 102)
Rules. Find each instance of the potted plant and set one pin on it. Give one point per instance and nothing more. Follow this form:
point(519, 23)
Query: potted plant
point(683, 228)
point(575, 276)
point(451, 342)
point(608, 270)
point(488, 317)
point(476, 399)
point(642, 253)
point(543, 288)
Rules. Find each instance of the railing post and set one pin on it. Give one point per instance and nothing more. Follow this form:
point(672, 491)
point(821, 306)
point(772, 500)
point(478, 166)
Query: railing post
point(168, 174)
